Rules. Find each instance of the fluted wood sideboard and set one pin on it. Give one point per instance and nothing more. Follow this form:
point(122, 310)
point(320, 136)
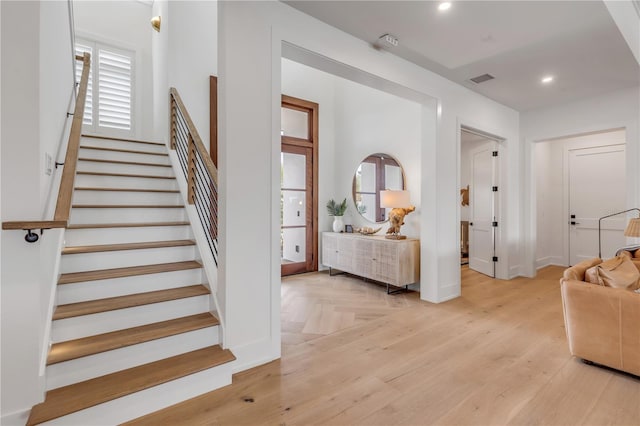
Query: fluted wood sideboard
point(393, 262)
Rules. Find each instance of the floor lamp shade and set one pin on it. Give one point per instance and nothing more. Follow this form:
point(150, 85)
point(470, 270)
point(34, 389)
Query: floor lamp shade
point(632, 229)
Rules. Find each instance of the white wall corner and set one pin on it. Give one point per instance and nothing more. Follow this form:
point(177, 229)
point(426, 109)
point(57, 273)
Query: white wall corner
point(626, 15)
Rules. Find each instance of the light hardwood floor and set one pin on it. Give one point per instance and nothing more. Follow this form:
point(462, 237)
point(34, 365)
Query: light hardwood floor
point(353, 355)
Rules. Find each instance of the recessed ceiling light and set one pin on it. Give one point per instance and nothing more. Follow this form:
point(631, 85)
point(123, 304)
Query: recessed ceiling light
point(548, 79)
point(445, 5)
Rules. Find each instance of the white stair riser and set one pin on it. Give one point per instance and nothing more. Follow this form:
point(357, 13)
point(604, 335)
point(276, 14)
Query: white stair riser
point(88, 367)
point(124, 182)
point(93, 236)
point(124, 197)
point(153, 399)
point(93, 166)
point(129, 215)
point(84, 152)
point(124, 258)
point(104, 322)
point(100, 289)
point(133, 146)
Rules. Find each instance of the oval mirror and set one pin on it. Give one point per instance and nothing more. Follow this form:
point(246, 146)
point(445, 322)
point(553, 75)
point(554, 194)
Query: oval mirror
point(375, 173)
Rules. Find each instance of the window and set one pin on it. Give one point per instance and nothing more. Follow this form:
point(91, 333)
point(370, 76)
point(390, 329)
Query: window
point(109, 103)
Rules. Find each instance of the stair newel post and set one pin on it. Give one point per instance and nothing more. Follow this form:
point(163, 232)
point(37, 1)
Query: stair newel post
point(191, 178)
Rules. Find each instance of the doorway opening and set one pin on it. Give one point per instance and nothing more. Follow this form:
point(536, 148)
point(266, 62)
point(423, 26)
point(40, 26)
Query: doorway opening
point(298, 186)
point(479, 211)
point(579, 179)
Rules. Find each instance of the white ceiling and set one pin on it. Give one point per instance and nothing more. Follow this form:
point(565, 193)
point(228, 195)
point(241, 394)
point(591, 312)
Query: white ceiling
point(517, 42)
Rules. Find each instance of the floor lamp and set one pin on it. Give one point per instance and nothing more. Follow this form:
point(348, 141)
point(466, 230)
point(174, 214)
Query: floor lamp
point(632, 229)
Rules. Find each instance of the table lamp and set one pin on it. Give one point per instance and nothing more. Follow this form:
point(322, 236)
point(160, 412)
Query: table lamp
point(399, 202)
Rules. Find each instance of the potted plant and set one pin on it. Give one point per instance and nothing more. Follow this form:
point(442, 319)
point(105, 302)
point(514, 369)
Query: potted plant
point(337, 211)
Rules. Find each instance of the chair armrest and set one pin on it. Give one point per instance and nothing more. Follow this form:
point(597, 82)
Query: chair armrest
point(602, 324)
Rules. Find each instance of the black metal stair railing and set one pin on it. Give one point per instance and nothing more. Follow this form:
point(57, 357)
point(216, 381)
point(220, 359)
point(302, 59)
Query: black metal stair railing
point(198, 168)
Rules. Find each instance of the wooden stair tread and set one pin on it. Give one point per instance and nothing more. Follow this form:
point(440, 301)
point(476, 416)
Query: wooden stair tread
point(89, 188)
point(104, 274)
point(69, 399)
point(125, 225)
point(121, 302)
point(127, 206)
point(126, 246)
point(135, 163)
point(124, 140)
point(124, 175)
point(128, 151)
point(77, 348)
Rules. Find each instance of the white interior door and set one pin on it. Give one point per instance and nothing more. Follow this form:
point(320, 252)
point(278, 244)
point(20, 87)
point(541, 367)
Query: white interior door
point(482, 209)
point(597, 187)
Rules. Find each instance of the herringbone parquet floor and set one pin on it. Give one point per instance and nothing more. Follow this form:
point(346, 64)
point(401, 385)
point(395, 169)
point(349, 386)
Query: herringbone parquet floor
point(314, 306)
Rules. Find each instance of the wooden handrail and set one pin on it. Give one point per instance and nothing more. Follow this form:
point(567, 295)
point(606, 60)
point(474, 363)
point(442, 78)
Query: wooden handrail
point(37, 224)
point(63, 203)
point(197, 141)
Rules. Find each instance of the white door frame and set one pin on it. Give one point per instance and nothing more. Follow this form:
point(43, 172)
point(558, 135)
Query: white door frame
point(529, 199)
point(501, 269)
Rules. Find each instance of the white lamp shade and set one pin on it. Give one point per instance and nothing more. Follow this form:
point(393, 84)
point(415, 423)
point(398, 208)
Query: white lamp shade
point(394, 199)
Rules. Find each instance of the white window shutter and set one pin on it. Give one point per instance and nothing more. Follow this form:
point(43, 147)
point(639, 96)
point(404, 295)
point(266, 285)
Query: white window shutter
point(114, 90)
point(88, 106)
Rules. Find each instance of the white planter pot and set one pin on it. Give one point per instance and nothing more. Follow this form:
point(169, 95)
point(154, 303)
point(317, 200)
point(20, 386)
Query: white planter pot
point(338, 224)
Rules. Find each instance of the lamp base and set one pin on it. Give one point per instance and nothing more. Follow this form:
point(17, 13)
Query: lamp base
point(395, 237)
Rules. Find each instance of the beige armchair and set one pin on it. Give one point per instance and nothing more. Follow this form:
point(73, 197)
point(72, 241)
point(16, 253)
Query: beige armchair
point(602, 323)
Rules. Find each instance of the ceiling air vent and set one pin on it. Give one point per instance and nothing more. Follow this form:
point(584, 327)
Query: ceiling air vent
point(482, 78)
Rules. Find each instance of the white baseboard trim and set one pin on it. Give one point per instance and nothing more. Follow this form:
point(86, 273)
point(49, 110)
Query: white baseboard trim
point(445, 294)
point(18, 418)
point(252, 355)
point(543, 262)
point(515, 271)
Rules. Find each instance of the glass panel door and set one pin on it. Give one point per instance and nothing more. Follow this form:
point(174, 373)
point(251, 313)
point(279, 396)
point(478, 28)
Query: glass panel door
point(298, 186)
point(295, 209)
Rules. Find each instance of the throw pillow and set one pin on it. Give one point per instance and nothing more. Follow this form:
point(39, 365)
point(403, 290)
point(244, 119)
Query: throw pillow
point(626, 253)
point(591, 274)
point(619, 272)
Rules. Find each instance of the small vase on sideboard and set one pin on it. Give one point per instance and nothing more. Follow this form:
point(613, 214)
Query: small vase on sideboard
point(338, 224)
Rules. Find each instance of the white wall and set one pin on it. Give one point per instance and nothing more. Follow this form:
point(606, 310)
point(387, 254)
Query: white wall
point(160, 65)
point(356, 121)
point(251, 36)
point(35, 36)
point(124, 24)
point(370, 121)
point(552, 200)
point(549, 195)
point(616, 110)
point(193, 56)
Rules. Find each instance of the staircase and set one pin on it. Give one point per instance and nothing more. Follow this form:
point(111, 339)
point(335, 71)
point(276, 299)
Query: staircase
point(133, 330)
